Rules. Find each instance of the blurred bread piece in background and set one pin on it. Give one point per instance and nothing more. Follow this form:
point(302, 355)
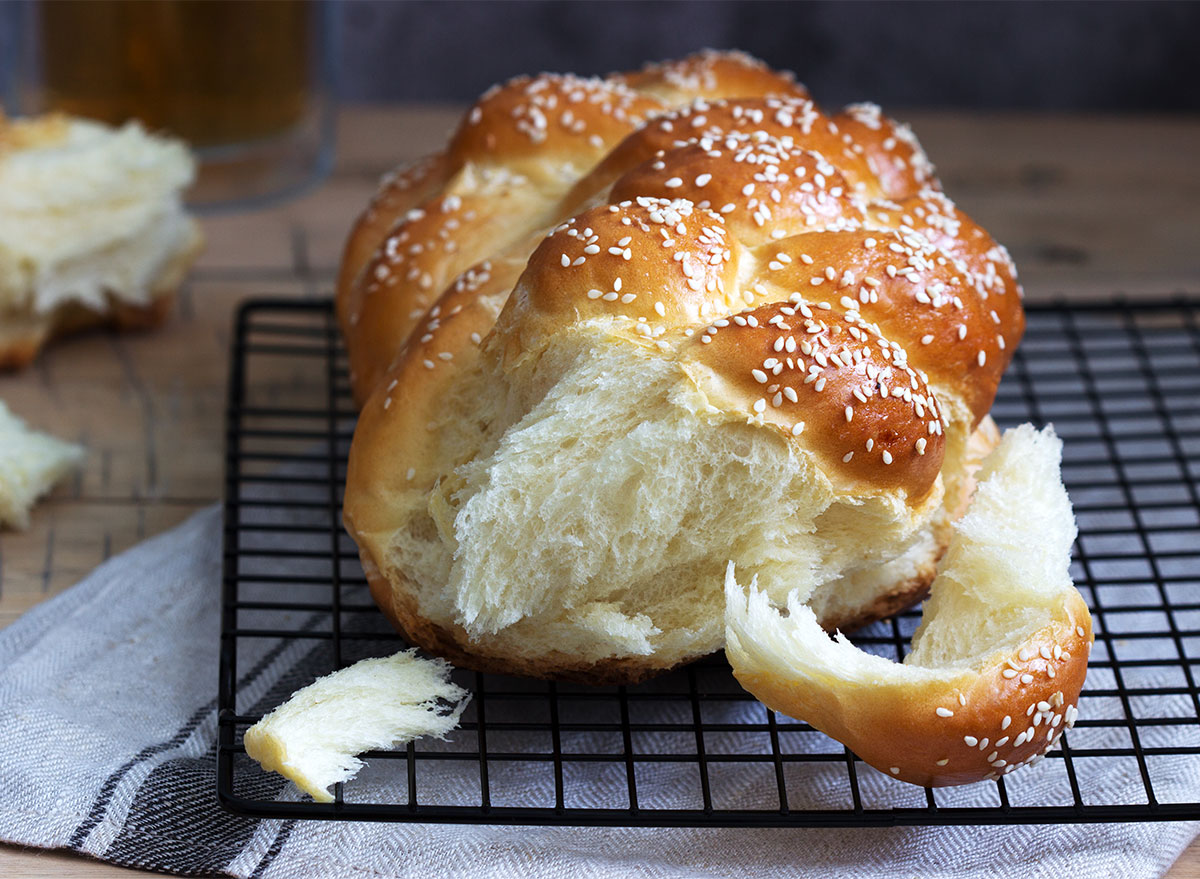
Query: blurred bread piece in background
point(31, 463)
point(92, 229)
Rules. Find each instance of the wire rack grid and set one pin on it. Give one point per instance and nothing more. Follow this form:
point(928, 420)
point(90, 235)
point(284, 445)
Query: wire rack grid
point(1120, 382)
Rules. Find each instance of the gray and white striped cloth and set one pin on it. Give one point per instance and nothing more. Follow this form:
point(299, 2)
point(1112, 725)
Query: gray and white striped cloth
point(108, 728)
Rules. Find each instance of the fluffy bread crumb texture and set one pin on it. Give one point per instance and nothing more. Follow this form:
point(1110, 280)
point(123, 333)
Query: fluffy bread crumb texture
point(31, 463)
point(622, 331)
point(996, 666)
point(92, 228)
point(314, 738)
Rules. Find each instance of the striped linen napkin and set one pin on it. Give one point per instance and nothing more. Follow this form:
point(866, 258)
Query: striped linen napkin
point(108, 720)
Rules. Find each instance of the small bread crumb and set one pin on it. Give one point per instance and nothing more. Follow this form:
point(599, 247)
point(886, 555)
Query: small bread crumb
point(31, 463)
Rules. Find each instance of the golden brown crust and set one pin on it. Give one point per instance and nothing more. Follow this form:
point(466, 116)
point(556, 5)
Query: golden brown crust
point(890, 150)
point(23, 337)
point(955, 730)
point(510, 163)
point(401, 190)
point(711, 74)
point(813, 380)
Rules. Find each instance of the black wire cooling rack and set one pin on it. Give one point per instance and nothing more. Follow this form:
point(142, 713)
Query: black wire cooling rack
point(1120, 382)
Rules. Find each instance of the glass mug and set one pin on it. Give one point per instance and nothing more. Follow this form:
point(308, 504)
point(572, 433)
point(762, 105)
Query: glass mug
point(249, 84)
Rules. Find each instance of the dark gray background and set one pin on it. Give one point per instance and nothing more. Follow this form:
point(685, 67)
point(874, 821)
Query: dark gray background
point(1053, 55)
point(1033, 55)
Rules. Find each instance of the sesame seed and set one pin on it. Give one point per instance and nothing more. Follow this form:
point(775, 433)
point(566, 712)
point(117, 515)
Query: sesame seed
point(594, 294)
point(1009, 673)
point(759, 376)
point(943, 761)
point(944, 712)
point(927, 338)
point(760, 406)
point(1027, 679)
point(797, 428)
point(566, 261)
point(971, 741)
point(887, 456)
point(982, 358)
point(895, 770)
point(1005, 723)
point(849, 414)
point(673, 183)
point(703, 179)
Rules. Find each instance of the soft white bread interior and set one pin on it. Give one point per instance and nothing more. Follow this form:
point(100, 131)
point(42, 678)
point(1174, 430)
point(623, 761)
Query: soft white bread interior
point(314, 738)
point(30, 465)
point(92, 227)
point(997, 663)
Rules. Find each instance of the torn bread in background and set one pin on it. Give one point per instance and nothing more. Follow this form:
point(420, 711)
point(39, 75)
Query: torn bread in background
point(92, 229)
point(315, 737)
point(31, 463)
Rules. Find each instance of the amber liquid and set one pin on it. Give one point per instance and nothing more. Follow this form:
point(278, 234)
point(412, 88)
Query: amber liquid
point(214, 72)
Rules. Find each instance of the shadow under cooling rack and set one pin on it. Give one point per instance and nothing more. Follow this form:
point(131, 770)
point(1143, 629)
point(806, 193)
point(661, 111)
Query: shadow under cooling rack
point(1121, 383)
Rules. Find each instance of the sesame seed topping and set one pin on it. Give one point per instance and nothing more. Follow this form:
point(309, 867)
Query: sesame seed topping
point(944, 712)
point(887, 456)
point(971, 741)
point(1027, 679)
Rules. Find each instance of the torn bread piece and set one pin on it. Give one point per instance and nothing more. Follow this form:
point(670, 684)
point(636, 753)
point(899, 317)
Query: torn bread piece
point(314, 738)
point(31, 463)
point(997, 663)
point(93, 229)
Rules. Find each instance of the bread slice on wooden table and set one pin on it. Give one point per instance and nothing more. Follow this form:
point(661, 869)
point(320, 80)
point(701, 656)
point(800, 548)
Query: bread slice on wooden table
point(315, 737)
point(92, 229)
point(996, 665)
point(31, 463)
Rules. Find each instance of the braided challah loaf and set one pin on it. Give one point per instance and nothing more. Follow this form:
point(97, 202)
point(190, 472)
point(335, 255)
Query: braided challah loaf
point(622, 332)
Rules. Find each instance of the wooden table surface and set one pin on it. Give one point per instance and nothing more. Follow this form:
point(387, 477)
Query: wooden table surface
point(1088, 206)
